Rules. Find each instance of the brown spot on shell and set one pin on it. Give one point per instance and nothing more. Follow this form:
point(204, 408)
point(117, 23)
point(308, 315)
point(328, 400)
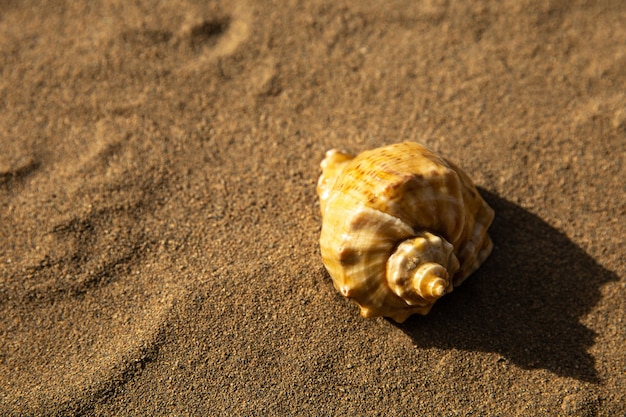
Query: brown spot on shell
point(348, 256)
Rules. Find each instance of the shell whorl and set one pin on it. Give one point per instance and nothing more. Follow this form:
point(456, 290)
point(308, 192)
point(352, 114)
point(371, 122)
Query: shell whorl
point(401, 227)
point(419, 269)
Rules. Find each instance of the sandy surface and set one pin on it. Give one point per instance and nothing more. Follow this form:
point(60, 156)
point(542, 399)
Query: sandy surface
point(159, 223)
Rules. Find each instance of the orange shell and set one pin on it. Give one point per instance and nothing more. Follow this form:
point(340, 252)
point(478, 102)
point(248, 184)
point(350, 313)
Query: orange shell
point(383, 197)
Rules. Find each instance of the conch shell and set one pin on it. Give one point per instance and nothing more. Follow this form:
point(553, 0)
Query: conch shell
point(402, 226)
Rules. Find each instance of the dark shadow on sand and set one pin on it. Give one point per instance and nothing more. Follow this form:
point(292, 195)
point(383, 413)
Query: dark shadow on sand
point(525, 302)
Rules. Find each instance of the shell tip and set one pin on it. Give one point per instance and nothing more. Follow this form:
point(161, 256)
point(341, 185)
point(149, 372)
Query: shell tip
point(438, 288)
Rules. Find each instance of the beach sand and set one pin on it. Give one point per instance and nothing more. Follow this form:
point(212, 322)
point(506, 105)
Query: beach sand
point(159, 224)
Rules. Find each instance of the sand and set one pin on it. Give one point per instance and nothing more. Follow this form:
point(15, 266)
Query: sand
point(159, 222)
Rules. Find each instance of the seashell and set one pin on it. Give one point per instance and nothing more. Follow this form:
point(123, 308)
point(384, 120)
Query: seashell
point(402, 226)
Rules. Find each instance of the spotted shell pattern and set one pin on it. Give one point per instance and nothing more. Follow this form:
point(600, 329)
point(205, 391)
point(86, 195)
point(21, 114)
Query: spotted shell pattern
point(402, 226)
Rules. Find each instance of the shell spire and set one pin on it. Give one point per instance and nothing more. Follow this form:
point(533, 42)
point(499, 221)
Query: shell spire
point(402, 226)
